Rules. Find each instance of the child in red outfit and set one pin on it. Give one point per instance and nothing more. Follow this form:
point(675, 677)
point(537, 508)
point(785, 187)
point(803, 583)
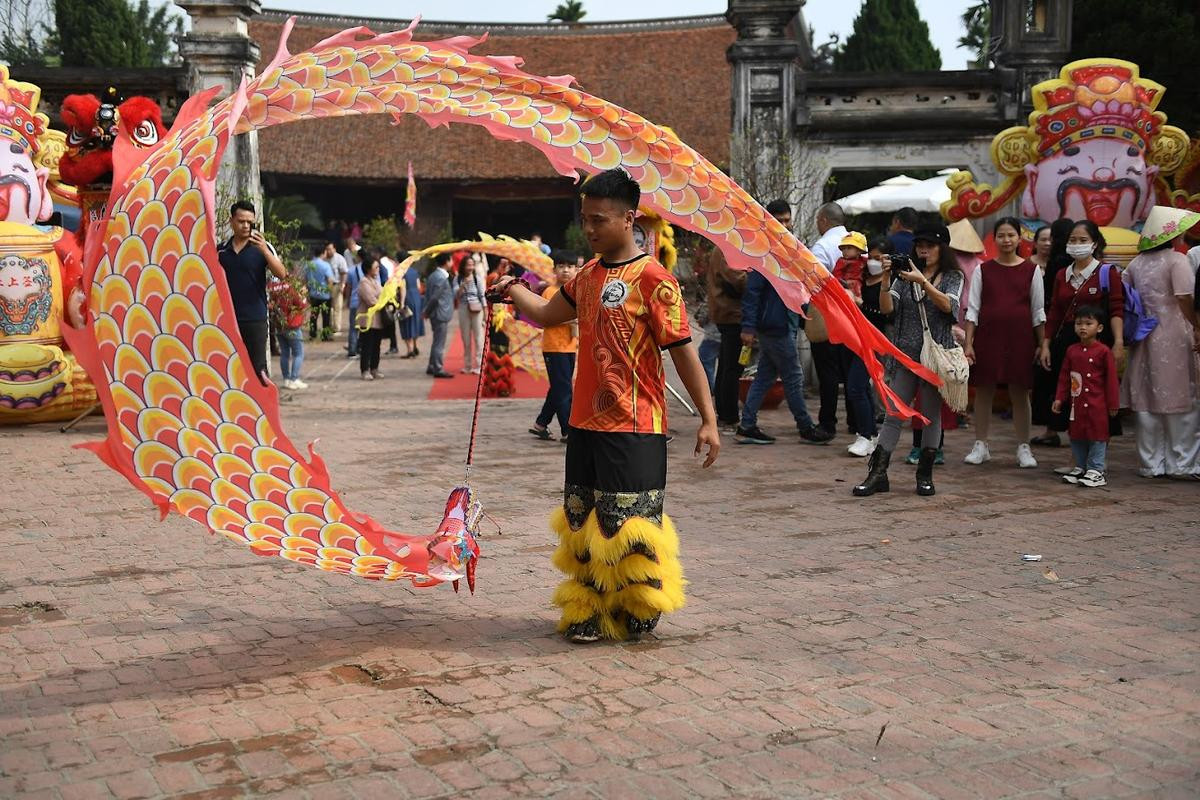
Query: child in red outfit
point(849, 268)
point(1089, 373)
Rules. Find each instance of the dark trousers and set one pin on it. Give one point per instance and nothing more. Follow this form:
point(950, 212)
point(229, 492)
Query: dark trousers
point(391, 335)
point(368, 349)
point(831, 363)
point(322, 308)
point(561, 369)
point(254, 335)
point(437, 350)
point(858, 398)
point(729, 373)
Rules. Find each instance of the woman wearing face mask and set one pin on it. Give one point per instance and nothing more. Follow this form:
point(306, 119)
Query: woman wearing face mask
point(1045, 382)
point(934, 283)
point(1005, 325)
point(1079, 285)
point(876, 281)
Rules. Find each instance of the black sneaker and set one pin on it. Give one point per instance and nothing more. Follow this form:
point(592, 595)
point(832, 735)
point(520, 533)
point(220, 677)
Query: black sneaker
point(815, 435)
point(584, 632)
point(752, 436)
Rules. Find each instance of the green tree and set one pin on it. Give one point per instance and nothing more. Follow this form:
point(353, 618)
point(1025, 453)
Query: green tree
point(977, 21)
point(114, 33)
point(568, 12)
point(1159, 36)
point(888, 36)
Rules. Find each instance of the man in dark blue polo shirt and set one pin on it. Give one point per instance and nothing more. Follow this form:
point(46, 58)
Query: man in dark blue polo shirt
point(246, 256)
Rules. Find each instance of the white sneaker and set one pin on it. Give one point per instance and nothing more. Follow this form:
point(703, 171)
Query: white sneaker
point(1093, 479)
point(1025, 459)
point(299, 384)
point(1067, 470)
point(979, 453)
point(862, 447)
point(287, 385)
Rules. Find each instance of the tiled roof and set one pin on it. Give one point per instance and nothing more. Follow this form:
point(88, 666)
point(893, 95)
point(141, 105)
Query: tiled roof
point(673, 72)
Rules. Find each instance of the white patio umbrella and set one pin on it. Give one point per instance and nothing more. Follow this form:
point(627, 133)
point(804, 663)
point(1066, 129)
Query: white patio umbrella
point(926, 195)
point(861, 202)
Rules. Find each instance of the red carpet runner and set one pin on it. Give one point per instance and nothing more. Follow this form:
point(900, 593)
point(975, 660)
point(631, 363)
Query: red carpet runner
point(462, 386)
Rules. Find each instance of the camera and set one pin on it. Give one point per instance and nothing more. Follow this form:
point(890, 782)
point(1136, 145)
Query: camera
point(900, 263)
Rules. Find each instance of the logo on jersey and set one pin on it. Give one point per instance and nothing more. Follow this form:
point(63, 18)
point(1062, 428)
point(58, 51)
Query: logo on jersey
point(614, 293)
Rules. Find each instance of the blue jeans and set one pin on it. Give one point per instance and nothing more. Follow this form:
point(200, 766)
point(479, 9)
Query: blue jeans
point(561, 369)
point(777, 358)
point(709, 348)
point(1089, 454)
point(291, 353)
point(858, 392)
point(352, 337)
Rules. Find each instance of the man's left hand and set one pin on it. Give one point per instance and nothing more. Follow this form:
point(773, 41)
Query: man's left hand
point(710, 436)
point(257, 239)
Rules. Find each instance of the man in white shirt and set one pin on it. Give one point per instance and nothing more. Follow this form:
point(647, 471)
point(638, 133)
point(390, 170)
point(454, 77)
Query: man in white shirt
point(830, 361)
point(340, 269)
point(831, 225)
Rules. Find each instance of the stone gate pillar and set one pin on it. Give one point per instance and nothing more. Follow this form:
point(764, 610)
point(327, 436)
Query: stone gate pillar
point(1033, 39)
point(767, 60)
point(220, 52)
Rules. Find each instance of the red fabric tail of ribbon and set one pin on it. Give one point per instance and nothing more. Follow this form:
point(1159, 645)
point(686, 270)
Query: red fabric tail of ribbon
point(847, 325)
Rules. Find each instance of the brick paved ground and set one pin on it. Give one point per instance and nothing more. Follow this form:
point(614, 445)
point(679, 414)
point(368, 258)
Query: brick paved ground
point(140, 658)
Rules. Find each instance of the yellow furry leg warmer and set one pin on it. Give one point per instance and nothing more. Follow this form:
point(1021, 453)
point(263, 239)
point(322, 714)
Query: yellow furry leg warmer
point(633, 574)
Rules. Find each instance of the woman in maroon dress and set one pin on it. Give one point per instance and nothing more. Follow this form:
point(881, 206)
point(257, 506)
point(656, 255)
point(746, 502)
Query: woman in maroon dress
point(1005, 325)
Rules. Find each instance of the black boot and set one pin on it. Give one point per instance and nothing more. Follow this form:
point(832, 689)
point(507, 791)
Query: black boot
point(877, 479)
point(925, 471)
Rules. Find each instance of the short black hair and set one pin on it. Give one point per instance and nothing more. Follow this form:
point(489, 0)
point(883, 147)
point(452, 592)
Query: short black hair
point(1091, 312)
point(907, 217)
point(440, 259)
point(242, 205)
point(613, 184)
point(780, 206)
point(879, 243)
point(563, 257)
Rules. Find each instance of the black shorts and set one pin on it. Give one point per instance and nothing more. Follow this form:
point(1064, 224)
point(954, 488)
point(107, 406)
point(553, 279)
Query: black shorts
point(616, 462)
point(619, 475)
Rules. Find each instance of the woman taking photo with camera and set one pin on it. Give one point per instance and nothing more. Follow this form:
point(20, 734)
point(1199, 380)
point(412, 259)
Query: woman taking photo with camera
point(932, 281)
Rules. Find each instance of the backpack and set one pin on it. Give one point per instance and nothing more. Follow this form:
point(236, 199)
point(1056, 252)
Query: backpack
point(1138, 322)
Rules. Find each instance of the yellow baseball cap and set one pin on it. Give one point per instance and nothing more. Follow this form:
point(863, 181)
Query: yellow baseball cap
point(854, 239)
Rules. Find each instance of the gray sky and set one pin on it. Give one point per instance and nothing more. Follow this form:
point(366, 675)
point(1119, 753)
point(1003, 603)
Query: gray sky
point(826, 16)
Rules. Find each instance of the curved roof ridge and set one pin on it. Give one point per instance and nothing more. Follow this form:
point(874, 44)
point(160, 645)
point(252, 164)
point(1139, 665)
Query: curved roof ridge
point(499, 28)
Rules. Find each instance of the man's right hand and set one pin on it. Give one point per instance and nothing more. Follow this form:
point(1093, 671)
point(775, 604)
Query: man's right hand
point(748, 339)
point(502, 286)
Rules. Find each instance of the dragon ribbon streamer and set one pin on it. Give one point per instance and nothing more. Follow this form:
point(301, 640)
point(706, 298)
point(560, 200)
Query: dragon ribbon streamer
point(190, 426)
point(519, 251)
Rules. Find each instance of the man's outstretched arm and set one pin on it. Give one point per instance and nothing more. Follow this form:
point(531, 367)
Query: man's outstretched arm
point(547, 313)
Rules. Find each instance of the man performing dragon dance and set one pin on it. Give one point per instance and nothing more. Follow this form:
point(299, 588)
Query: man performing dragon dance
point(617, 547)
